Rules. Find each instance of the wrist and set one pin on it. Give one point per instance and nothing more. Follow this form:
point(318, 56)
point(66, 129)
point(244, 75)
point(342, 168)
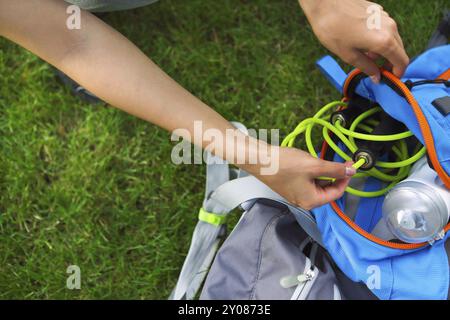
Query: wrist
point(255, 156)
point(311, 7)
point(314, 10)
point(262, 160)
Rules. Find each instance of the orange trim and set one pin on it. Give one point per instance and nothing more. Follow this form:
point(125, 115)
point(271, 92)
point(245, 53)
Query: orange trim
point(350, 77)
point(429, 143)
point(445, 75)
point(423, 123)
point(324, 150)
point(371, 237)
point(424, 127)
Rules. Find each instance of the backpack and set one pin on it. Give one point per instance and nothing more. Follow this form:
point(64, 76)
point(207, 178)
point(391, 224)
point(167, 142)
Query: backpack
point(340, 250)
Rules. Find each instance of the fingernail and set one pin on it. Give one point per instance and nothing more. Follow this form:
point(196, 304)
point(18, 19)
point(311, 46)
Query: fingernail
point(375, 79)
point(350, 171)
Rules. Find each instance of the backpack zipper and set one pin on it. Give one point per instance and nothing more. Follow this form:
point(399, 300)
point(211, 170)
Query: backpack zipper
point(399, 87)
point(294, 280)
point(306, 282)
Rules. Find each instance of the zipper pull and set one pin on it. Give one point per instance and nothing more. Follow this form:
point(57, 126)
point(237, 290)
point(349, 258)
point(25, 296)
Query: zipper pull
point(410, 84)
point(306, 276)
point(439, 236)
point(292, 281)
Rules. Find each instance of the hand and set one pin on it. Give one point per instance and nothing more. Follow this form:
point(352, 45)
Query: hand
point(342, 27)
point(296, 179)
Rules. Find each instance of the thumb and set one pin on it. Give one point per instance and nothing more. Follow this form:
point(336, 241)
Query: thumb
point(364, 63)
point(334, 170)
point(332, 192)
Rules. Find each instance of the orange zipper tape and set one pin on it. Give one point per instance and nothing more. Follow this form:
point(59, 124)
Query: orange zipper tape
point(429, 143)
point(445, 75)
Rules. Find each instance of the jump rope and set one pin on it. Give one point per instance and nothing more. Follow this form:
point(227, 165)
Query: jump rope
point(352, 135)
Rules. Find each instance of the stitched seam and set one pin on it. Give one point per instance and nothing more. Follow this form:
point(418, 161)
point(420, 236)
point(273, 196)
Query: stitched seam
point(447, 251)
point(258, 269)
point(391, 289)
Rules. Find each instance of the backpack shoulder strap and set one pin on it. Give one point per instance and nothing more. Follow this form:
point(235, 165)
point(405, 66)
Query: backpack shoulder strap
point(236, 192)
point(209, 231)
point(221, 197)
point(207, 234)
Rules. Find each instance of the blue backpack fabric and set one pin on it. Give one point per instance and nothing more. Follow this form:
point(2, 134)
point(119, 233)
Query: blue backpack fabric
point(405, 272)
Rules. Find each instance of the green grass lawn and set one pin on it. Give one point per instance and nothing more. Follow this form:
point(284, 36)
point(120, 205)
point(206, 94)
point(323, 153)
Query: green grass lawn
point(93, 186)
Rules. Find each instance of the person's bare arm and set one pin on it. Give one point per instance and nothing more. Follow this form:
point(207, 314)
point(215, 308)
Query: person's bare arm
point(343, 27)
point(110, 66)
point(105, 62)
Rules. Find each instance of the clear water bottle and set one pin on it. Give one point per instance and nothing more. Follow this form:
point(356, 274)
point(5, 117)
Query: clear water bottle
point(418, 208)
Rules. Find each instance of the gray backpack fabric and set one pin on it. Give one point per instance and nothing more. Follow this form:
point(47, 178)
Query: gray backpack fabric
point(274, 252)
point(265, 257)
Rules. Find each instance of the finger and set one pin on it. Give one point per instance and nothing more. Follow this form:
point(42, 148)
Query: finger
point(379, 59)
point(373, 56)
point(387, 65)
point(323, 183)
point(331, 192)
point(392, 24)
point(364, 63)
point(333, 170)
point(397, 36)
point(398, 58)
point(391, 47)
point(399, 39)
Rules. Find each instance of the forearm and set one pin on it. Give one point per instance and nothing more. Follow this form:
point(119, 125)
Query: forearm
point(110, 66)
point(310, 5)
point(107, 64)
point(312, 9)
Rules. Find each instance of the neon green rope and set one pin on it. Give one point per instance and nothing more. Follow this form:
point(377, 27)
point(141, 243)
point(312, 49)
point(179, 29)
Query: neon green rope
point(361, 136)
point(211, 218)
point(348, 136)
